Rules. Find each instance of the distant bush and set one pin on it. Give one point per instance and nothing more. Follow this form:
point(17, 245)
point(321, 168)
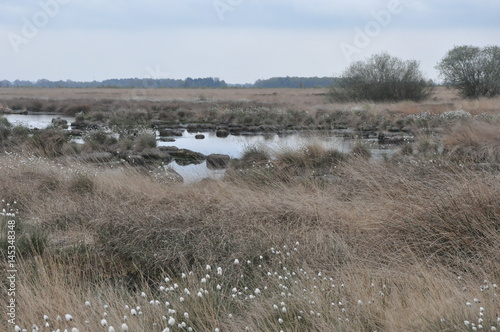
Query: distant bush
point(382, 78)
point(473, 71)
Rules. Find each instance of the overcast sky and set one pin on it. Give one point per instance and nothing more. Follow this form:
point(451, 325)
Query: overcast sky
point(239, 41)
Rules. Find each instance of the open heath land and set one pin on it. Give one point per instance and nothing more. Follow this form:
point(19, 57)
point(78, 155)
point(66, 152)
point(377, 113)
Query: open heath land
point(308, 99)
point(311, 239)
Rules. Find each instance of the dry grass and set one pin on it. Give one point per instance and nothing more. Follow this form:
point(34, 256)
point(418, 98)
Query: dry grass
point(403, 244)
point(310, 100)
point(410, 228)
point(476, 142)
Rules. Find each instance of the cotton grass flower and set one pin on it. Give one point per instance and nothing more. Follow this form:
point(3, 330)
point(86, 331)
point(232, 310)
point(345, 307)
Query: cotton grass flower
point(68, 317)
point(124, 327)
point(171, 321)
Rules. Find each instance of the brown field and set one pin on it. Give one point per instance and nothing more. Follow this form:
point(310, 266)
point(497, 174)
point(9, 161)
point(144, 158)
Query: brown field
point(443, 99)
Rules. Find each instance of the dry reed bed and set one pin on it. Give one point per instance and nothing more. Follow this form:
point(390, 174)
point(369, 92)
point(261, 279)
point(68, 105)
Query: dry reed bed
point(410, 240)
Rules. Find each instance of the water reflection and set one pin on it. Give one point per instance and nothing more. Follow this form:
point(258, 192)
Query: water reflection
point(235, 146)
point(35, 120)
point(195, 173)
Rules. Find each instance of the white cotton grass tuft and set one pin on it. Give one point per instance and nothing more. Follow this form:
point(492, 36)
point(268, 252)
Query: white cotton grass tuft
point(111, 329)
point(124, 327)
point(104, 322)
point(68, 317)
point(171, 321)
point(74, 330)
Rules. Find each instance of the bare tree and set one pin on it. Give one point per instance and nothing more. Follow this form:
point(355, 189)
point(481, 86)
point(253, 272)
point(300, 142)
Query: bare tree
point(382, 78)
point(473, 71)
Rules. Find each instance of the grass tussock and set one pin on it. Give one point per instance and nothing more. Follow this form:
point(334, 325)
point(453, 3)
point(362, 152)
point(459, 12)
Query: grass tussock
point(473, 142)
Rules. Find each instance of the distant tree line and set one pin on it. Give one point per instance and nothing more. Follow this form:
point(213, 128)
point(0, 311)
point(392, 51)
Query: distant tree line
point(296, 82)
point(150, 83)
point(143, 83)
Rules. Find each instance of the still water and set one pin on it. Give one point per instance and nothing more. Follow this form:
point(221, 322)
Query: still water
point(233, 145)
point(35, 120)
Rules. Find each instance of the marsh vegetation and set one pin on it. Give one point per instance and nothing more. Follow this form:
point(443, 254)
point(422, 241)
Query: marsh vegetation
point(310, 239)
